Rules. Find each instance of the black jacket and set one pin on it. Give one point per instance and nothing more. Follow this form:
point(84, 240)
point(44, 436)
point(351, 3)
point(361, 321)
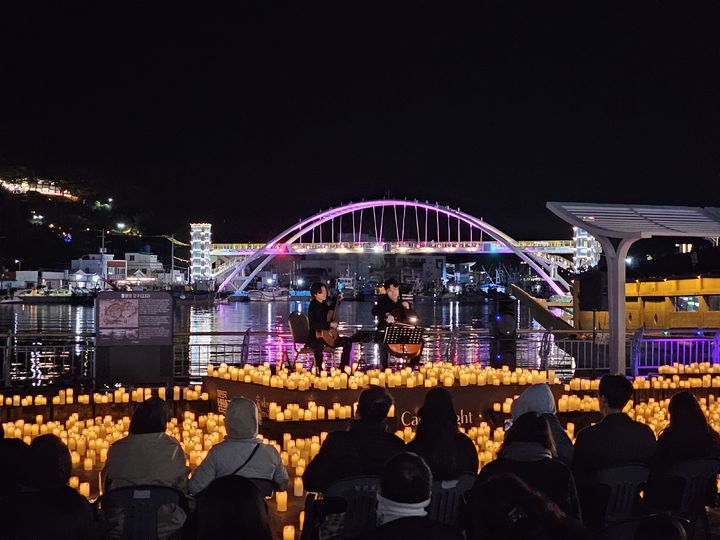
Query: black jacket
point(386, 306)
point(415, 528)
point(616, 440)
point(466, 458)
point(318, 319)
point(550, 477)
point(361, 450)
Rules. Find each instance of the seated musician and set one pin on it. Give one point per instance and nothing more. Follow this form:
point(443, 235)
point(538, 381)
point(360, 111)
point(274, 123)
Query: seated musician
point(390, 308)
point(319, 320)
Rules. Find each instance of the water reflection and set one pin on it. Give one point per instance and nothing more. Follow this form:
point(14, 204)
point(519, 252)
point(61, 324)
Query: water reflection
point(454, 333)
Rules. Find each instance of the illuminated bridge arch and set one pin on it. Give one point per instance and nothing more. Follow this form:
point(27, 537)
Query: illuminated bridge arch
point(422, 221)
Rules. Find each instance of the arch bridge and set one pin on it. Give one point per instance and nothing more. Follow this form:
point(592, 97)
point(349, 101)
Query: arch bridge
point(391, 227)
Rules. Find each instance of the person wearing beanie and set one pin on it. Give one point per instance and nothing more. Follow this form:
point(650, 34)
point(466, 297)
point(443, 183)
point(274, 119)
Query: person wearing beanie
point(242, 452)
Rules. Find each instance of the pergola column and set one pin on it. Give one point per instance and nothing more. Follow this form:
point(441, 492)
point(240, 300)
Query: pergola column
point(615, 254)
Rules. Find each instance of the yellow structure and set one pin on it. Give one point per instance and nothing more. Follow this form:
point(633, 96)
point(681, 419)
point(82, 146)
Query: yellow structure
point(667, 304)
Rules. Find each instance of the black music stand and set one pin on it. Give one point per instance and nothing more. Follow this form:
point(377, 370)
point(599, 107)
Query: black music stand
point(403, 335)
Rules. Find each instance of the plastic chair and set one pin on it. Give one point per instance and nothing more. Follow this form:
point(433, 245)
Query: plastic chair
point(698, 479)
point(299, 329)
point(448, 497)
point(624, 483)
point(360, 496)
point(140, 505)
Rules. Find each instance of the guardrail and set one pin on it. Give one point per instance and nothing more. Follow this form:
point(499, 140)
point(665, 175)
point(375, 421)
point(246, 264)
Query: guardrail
point(37, 359)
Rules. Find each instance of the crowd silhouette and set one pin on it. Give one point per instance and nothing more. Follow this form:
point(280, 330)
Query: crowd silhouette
point(540, 486)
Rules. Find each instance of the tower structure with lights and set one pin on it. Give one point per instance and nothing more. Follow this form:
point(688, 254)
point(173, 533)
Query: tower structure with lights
point(200, 263)
point(587, 250)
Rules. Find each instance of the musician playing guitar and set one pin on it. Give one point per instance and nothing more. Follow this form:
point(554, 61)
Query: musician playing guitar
point(390, 308)
point(320, 318)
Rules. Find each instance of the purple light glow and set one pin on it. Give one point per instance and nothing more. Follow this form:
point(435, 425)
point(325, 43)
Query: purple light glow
point(298, 230)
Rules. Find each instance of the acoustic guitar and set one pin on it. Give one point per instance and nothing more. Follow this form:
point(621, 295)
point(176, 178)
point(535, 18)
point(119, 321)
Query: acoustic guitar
point(330, 336)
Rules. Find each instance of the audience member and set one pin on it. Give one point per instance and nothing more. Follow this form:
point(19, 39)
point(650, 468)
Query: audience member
point(232, 507)
point(659, 527)
point(14, 456)
point(46, 507)
point(539, 398)
point(687, 437)
point(529, 452)
point(361, 450)
point(405, 490)
point(506, 508)
point(615, 440)
point(447, 451)
point(147, 456)
point(242, 452)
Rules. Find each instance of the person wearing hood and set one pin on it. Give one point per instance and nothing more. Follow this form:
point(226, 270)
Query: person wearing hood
point(539, 398)
point(147, 456)
point(242, 452)
point(529, 452)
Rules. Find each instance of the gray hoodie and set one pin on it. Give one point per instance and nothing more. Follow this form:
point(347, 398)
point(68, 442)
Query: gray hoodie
point(539, 398)
point(241, 422)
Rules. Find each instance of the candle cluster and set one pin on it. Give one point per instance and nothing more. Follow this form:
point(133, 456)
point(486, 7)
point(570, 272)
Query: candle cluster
point(293, 412)
point(120, 395)
point(429, 375)
point(655, 382)
point(695, 368)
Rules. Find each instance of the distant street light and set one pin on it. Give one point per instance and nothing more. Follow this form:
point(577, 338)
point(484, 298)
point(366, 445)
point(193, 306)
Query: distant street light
point(19, 263)
point(121, 226)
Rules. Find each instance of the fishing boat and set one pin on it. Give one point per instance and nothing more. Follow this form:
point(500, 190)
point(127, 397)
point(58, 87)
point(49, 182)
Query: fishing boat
point(46, 296)
point(270, 294)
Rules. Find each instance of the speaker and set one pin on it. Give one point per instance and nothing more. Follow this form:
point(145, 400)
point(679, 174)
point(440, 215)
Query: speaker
point(503, 352)
point(503, 321)
point(593, 294)
point(503, 329)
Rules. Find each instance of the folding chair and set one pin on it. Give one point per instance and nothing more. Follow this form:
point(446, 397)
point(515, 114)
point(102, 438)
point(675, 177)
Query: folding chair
point(360, 496)
point(299, 329)
point(139, 505)
point(696, 480)
point(623, 484)
point(448, 498)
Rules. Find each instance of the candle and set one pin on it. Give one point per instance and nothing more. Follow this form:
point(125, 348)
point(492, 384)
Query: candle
point(298, 487)
point(74, 482)
point(281, 501)
point(88, 464)
point(85, 489)
point(302, 517)
point(288, 532)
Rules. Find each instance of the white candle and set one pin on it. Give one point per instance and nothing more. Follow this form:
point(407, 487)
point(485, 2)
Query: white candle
point(288, 532)
point(281, 500)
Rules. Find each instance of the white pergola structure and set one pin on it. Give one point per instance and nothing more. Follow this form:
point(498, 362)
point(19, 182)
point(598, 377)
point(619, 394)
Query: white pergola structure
point(616, 227)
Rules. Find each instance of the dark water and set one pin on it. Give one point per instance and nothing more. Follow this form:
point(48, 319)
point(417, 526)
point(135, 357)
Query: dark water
point(451, 334)
point(235, 317)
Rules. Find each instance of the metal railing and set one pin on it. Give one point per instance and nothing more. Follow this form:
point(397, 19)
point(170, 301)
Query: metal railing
point(38, 359)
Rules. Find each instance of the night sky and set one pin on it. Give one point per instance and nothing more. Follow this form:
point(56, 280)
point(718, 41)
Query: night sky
point(257, 117)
